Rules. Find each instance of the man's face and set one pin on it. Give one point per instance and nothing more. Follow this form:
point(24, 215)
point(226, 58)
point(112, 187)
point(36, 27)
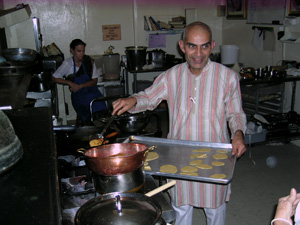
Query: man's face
point(197, 48)
point(78, 52)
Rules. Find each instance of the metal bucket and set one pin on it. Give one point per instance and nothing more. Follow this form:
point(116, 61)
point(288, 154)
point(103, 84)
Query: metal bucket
point(136, 57)
point(111, 67)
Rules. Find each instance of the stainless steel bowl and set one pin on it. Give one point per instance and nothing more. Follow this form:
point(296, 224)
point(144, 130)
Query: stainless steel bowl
point(19, 54)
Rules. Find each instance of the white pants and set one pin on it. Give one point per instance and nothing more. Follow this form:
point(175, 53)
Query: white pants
point(184, 215)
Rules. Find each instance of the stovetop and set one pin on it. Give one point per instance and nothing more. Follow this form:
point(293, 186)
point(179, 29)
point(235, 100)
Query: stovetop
point(77, 187)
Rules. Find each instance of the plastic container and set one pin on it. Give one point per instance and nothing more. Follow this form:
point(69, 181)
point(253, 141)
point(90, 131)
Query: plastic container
point(229, 54)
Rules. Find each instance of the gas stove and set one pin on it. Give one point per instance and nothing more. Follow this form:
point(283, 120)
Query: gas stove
point(77, 187)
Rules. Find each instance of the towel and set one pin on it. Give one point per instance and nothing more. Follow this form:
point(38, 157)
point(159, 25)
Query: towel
point(269, 41)
point(258, 39)
point(263, 40)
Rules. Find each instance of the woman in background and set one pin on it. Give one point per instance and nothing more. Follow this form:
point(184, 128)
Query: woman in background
point(79, 73)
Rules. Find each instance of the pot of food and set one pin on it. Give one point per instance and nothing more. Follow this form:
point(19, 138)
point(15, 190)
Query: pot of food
point(118, 158)
point(71, 138)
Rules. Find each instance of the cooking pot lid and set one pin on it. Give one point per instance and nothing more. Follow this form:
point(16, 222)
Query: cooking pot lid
point(135, 209)
point(11, 149)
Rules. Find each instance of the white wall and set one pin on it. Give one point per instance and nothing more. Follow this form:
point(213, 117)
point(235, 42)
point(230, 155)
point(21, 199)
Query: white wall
point(63, 20)
point(239, 33)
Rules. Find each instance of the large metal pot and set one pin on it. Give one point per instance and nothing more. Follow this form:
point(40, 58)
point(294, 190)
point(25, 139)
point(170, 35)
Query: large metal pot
point(19, 54)
point(120, 208)
point(116, 158)
point(16, 68)
point(136, 57)
point(157, 58)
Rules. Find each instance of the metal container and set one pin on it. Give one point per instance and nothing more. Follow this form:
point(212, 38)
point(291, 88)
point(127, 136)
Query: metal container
point(157, 58)
point(116, 159)
point(19, 54)
point(111, 67)
point(136, 57)
point(120, 209)
point(40, 82)
point(128, 182)
point(15, 79)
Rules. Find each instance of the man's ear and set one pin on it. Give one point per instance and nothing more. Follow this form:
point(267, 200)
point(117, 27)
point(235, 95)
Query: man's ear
point(213, 44)
point(181, 45)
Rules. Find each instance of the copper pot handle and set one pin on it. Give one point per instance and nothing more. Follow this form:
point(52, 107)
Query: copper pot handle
point(149, 149)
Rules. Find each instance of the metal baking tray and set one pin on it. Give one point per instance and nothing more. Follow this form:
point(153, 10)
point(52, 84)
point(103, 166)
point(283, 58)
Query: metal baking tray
point(178, 152)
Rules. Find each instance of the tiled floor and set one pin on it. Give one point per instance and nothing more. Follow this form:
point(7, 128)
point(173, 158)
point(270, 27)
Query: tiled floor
point(262, 175)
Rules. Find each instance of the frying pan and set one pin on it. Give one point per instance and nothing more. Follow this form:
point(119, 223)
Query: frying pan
point(122, 208)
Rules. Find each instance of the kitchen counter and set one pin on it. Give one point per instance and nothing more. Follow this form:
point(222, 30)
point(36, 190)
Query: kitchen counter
point(288, 78)
point(29, 191)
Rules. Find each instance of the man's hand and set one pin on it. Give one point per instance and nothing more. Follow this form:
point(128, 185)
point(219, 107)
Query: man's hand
point(123, 104)
point(238, 144)
point(74, 87)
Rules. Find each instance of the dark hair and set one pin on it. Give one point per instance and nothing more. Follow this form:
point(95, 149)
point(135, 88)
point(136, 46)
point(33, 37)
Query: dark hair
point(76, 42)
point(195, 24)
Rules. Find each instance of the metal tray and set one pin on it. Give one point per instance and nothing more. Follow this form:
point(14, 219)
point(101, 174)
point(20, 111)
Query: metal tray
point(178, 152)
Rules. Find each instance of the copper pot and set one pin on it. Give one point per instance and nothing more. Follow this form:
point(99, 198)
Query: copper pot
point(117, 158)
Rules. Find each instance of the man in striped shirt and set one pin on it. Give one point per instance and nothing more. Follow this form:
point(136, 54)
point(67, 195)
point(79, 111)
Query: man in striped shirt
point(203, 97)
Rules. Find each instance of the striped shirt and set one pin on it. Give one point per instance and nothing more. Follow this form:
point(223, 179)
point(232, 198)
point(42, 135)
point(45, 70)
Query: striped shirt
point(199, 109)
